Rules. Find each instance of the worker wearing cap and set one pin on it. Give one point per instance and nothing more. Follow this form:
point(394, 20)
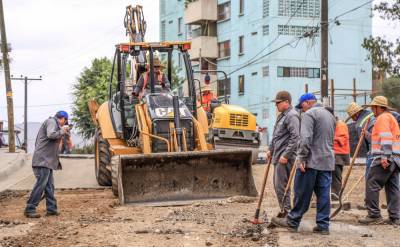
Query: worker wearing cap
point(361, 117)
point(44, 161)
point(341, 149)
point(384, 170)
point(206, 98)
point(283, 145)
point(143, 84)
point(315, 162)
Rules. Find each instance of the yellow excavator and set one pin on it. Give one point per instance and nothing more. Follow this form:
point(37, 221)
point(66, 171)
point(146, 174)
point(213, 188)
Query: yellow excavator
point(154, 148)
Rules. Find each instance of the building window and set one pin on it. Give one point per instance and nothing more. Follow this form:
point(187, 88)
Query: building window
point(241, 7)
point(265, 29)
point(296, 8)
point(180, 25)
point(224, 86)
point(224, 11)
point(298, 72)
point(224, 49)
point(265, 8)
point(189, 32)
point(296, 30)
point(241, 45)
point(241, 85)
point(162, 38)
point(265, 71)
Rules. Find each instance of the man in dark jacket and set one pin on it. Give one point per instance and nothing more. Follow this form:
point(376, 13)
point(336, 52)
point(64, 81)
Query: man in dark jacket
point(44, 161)
point(315, 162)
point(283, 146)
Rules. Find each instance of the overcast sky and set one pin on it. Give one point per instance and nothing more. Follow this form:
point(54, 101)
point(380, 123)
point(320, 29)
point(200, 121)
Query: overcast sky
point(57, 39)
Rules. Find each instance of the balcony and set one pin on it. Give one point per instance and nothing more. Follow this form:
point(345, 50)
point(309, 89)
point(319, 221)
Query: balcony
point(208, 45)
point(199, 11)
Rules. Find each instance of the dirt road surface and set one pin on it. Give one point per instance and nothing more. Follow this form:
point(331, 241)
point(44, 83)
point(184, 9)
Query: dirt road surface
point(93, 217)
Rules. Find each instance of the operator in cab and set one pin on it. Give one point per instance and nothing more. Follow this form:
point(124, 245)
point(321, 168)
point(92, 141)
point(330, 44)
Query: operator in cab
point(142, 87)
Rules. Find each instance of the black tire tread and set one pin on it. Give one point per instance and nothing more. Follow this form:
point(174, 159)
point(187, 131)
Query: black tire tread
point(103, 175)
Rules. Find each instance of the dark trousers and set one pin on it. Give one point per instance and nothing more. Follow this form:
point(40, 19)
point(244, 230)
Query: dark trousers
point(44, 183)
point(305, 184)
point(376, 180)
point(337, 181)
point(281, 177)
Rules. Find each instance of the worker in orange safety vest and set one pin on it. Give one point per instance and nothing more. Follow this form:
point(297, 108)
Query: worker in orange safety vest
point(385, 168)
point(206, 98)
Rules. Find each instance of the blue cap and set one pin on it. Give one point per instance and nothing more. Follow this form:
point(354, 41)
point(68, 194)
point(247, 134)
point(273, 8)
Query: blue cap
point(62, 114)
point(305, 97)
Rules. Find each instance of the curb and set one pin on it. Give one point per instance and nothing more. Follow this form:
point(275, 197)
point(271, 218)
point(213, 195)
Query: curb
point(14, 167)
point(76, 156)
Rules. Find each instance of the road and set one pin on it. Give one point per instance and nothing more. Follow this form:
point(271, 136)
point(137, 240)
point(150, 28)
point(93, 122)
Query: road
point(91, 216)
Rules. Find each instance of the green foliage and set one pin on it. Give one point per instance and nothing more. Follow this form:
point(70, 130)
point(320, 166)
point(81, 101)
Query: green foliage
point(391, 90)
point(91, 84)
point(384, 54)
point(87, 149)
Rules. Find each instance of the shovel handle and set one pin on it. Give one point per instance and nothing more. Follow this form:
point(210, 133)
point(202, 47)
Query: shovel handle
point(289, 183)
point(353, 159)
point(264, 182)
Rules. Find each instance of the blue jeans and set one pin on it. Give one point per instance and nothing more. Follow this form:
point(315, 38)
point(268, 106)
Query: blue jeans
point(44, 183)
point(304, 185)
point(368, 162)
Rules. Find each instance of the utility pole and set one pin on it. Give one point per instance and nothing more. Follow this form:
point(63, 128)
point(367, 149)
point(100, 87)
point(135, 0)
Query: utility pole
point(9, 95)
point(25, 79)
point(324, 50)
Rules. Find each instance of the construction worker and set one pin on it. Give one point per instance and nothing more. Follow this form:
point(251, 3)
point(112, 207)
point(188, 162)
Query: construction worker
point(44, 161)
point(361, 116)
point(341, 149)
point(315, 163)
point(143, 87)
point(384, 170)
point(283, 146)
point(206, 98)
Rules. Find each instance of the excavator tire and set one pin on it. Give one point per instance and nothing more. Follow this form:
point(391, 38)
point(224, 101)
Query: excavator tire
point(102, 161)
point(114, 175)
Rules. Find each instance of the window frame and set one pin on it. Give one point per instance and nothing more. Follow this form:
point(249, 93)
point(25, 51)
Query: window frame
point(226, 13)
point(241, 45)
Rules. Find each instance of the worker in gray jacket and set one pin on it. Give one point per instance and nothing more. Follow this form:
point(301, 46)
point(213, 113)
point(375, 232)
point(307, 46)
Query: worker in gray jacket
point(44, 161)
point(315, 162)
point(283, 146)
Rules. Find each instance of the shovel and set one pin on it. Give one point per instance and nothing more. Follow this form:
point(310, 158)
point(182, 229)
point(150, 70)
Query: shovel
point(283, 212)
point(353, 159)
point(256, 220)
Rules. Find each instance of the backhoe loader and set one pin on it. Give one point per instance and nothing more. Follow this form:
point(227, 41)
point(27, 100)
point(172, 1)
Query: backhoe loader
point(154, 148)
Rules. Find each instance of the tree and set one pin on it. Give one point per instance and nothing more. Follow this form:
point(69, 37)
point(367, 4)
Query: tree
point(385, 54)
point(391, 90)
point(91, 84)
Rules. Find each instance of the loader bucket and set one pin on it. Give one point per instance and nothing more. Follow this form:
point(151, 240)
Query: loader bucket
point(162, 177)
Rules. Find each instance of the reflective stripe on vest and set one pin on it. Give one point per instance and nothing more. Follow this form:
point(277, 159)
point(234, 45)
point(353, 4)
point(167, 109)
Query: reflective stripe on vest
point(365, 119)
point(385, 135)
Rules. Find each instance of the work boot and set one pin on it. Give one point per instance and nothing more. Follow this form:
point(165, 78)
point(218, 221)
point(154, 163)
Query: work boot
point(392, 221)
point(320, 230)
point(52, 213)
point(283, 222)
point(371, 220)
point(31, 215)
point(282, 214)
